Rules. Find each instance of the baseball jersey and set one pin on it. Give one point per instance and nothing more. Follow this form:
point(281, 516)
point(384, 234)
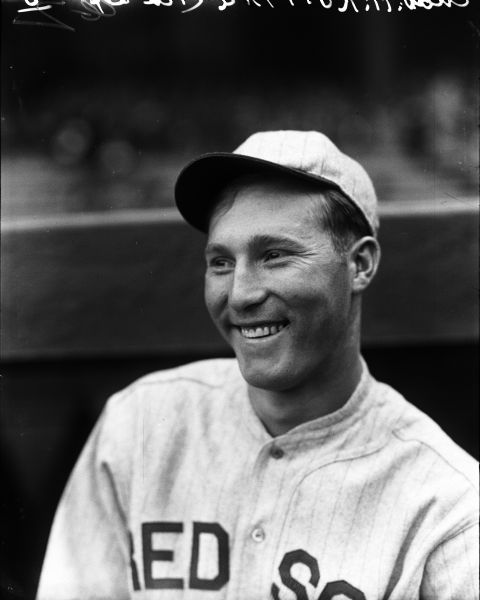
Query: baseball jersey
point(180, 492)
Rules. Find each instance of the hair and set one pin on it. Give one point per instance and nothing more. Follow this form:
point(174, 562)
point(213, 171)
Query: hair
point(340, 218)
point(336, 214)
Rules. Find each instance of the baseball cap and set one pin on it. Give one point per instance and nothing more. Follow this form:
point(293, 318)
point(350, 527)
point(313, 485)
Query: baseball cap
point(307, 155)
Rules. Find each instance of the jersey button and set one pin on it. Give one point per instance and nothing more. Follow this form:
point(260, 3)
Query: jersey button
point(276, 452)
point(258, 535)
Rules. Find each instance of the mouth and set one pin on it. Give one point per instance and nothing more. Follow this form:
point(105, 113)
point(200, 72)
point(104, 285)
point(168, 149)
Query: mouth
point(262, 330)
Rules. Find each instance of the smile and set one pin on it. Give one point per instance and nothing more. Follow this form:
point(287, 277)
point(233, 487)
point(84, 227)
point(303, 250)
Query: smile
point(262, 331)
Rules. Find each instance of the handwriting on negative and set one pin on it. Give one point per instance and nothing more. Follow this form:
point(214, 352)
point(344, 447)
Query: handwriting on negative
point(39, 12)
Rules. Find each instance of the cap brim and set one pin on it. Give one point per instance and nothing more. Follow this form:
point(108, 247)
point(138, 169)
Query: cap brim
point(201, 181)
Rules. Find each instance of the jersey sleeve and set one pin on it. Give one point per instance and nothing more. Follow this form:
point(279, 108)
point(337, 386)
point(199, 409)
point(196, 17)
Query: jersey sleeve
point(451, 571)
point(88, 550)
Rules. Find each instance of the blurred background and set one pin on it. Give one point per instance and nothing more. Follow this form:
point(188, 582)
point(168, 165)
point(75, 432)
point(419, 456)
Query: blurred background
point(102, 118)
point(98, 119)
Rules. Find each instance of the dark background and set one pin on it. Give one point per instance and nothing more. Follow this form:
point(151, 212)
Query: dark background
point(100, 119)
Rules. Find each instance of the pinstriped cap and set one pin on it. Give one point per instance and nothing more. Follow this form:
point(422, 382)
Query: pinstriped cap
point(306, 155)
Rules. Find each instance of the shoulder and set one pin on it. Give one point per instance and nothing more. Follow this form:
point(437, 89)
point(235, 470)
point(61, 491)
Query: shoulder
point(212, 373)
point(173, 389)
point(185, 382)
point(163, 406)
point(412, 427)
point(437, 467)
point(434, 478)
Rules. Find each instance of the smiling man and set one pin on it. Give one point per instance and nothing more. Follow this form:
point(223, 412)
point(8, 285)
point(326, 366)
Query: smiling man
point(286, 298)
point(289, 472)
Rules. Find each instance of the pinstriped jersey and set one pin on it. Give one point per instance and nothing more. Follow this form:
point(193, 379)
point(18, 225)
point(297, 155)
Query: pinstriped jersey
point(180, 493)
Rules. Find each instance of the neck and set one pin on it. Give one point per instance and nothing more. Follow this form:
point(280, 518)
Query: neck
point(328, 391)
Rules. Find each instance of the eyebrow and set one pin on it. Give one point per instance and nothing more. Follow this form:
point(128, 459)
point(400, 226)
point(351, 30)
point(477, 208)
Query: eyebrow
point(257, 242)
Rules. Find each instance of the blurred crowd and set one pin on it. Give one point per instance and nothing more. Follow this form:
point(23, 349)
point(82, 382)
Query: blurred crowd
point(110, 147)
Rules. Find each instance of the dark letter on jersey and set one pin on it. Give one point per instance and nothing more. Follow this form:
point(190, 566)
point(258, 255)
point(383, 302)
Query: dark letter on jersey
point(223, 557)
point(290, 559)
point(133, 565)
point(150, 555)
point(336, 588)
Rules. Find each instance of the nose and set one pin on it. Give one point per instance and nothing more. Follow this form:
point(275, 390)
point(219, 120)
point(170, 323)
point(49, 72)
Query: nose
point(247, 288)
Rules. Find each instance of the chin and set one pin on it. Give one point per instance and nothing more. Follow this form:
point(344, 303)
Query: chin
point(274, 379)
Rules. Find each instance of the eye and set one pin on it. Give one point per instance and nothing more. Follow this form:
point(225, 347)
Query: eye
point(220, 263)
point(274, 254)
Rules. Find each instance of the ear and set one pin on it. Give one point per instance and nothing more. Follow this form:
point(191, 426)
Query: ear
point(364, 258)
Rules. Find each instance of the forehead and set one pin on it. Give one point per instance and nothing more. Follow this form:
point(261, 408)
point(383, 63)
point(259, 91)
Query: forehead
point(260, 205)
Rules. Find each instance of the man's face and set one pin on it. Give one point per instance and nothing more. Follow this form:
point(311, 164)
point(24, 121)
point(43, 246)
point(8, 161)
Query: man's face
point(275, 287)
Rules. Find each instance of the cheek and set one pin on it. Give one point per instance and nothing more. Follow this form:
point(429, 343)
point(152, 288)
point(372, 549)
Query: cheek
point(304, 293)
point(215, 295)
point(319, 302)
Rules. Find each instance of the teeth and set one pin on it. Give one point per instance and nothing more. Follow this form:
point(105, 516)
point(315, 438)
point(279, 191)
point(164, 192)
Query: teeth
point(257, 332)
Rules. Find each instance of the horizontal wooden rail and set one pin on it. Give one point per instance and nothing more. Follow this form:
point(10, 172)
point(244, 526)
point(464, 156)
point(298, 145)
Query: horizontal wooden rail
point(130, 283)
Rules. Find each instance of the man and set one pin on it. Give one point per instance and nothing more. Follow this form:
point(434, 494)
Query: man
point(288, 473)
